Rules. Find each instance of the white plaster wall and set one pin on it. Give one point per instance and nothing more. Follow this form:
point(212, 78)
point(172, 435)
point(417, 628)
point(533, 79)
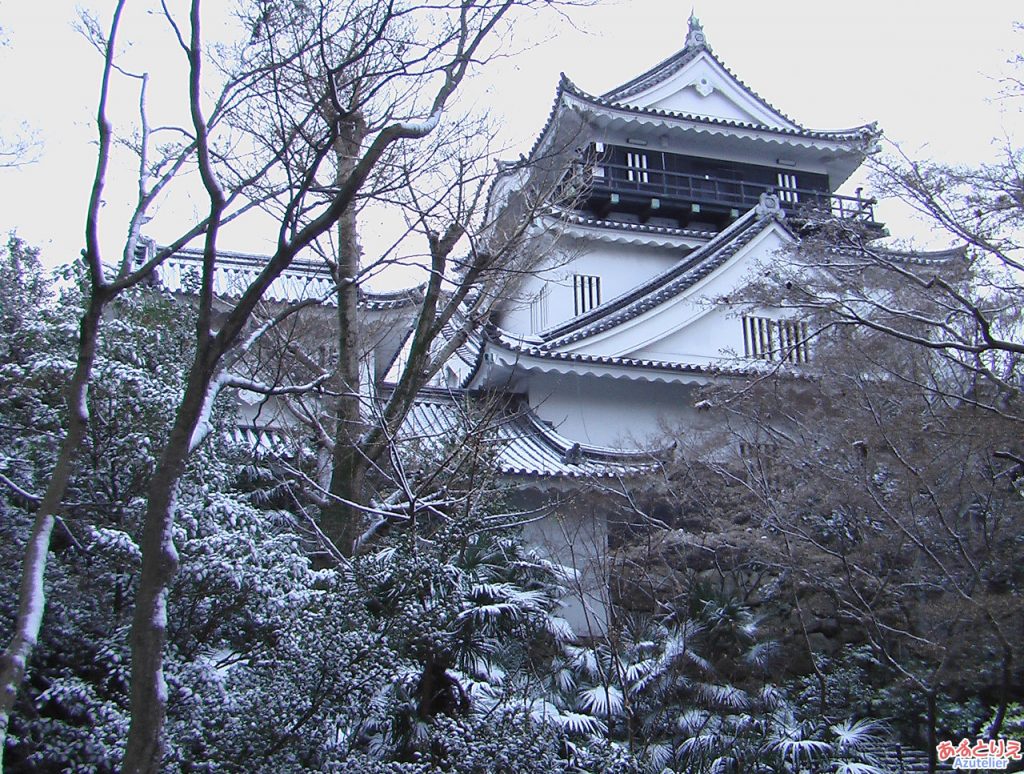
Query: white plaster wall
point(577, 539)
point(714, 105)
point(620, 267)
point(717, 334)
point(613, 412)
point(693, 323)
point(719, 95)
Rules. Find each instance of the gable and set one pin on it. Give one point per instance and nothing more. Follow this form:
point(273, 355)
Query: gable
point(692, 324)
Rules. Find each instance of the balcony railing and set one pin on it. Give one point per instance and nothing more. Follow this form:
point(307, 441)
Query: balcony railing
point(607, 178)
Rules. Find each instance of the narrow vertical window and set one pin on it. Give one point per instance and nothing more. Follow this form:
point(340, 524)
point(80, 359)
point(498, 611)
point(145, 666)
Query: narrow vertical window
point(780, 340)
point(787, 187)
point(793, 341)
point(586, 292)
point(636, 167)
point(597, 157)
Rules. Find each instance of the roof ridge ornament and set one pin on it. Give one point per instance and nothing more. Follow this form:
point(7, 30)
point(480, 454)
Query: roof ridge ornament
point(695, 37)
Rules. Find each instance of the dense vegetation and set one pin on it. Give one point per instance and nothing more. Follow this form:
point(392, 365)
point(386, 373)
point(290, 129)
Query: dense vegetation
point(440, 647)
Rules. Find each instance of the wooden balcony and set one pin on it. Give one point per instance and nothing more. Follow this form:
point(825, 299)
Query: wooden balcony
point(605, 187)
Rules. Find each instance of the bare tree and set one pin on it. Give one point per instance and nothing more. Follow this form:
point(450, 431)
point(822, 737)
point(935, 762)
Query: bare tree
point(382, 65)
point(104, 285)
point(884, 492)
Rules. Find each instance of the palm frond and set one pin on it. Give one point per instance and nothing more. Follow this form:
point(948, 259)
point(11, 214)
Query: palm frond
point(761, 653)
point(604, 701)
point(565, 680)
point(798, 750)
point(728, 696)
point(692, 721)
point(559, 628)
point(578, 723)
point(659, 755)
point(640, 673)
point(582, 659)
point(852, 734)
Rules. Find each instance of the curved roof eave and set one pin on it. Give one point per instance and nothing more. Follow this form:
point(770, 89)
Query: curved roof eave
point(673, 64)
point(528, 357)
point(582, 225)
point(864, 133)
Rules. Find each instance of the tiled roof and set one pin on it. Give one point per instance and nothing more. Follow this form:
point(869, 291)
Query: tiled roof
point(301, 281)
point(262, 441)
point(523, 445)
point(504, 341)
point(673, 64)
point(922, 258)
point(853, 134)
point(579, 219)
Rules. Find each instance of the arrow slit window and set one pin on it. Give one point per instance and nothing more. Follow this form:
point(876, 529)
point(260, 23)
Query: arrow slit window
point(636, 167)
point(586, 292)
point(787, 187)
point(783, 341)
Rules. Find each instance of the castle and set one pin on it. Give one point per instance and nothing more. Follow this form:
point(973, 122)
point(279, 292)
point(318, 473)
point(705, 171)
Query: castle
point(680, 183)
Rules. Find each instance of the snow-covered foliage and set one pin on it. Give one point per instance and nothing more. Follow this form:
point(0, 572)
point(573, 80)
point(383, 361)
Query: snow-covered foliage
point(438, 648)
point(415, 657)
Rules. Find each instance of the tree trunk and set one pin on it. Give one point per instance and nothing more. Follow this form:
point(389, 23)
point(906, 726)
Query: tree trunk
point(341, 521)
point(148, 698)
point(32, 596)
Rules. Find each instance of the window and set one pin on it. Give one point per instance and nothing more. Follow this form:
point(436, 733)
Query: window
point(780, 340)
point(636, 167)
point(598, 157)
point(787, 187)
point(586, 292)
point(539, 311)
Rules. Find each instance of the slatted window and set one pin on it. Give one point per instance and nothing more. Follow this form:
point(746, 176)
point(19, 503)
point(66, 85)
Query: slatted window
point(787, 185)
point(586, 292)
point(780, 340)
point(539, 311)
point(636, 167)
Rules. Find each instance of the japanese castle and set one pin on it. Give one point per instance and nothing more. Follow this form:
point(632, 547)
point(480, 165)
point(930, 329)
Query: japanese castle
point(680, 183)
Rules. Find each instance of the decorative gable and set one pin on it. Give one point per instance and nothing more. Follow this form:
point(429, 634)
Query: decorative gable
point(696, 82)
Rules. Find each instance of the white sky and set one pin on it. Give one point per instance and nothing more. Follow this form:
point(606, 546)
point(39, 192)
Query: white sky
point(926, 71)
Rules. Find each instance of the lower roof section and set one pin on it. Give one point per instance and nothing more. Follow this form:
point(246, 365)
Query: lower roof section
point(523, 445)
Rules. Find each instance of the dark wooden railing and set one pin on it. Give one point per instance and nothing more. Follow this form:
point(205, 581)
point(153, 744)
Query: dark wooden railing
point(607, 177)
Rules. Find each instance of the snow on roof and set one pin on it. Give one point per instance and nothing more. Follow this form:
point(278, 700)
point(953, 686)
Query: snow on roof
point(629, 367)
point(638, 232)
point(696, 43)
point(523, 444)
point(301, 281)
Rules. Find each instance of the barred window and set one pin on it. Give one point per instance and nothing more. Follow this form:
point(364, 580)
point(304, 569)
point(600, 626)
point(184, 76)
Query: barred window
point(539, 311)
point(586, 292)
point(636, 167)
point(787, 187)
point(780, 340)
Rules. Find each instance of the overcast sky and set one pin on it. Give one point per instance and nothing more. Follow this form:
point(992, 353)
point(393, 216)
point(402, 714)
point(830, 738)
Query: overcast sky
point(928, 72)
